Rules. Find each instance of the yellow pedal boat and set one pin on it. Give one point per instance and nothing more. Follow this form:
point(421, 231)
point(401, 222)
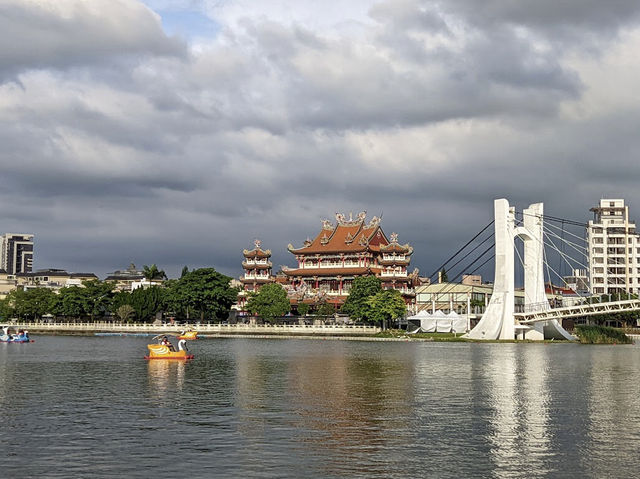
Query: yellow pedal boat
point(188, 335)
point(166, 351)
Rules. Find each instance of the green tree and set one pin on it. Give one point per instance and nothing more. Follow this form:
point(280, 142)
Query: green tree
point(443, 277)
point(204, 292)
point(325, 309)
point(13, 305)
point(303, 309)
point(92, 299)
point(270, 302)
point(386, 306)
point(152, 273)
point(98, 296)
point(71, 302)
point(146, 302)
point(362, 288)
point(125, 312)
point(184, 271)
point(38, 302)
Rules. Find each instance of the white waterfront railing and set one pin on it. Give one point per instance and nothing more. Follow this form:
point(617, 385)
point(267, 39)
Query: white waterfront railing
point(203, 328)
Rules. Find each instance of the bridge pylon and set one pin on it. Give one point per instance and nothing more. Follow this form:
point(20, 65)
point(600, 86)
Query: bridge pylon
point(498, 321)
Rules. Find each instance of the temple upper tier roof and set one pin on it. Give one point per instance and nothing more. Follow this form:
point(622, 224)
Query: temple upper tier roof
point(346, 236)
point(257, 252)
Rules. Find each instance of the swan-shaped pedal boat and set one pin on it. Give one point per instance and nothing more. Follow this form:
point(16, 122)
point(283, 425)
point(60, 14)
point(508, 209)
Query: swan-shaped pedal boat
point(188, 335)
point(21, 337)
point(165, 350)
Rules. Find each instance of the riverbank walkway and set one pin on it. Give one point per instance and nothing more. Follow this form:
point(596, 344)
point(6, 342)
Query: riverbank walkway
point(203, 329)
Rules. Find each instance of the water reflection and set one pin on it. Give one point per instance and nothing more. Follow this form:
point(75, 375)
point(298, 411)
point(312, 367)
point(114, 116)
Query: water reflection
point(518, 397)
point(612, 409)
point(502, 390)
point(165, 376)
point(340, 403)
point(329, 409)
point(533, 404)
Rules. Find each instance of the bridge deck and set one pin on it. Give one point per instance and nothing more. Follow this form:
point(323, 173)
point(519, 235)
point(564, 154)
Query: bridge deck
point(577, 311)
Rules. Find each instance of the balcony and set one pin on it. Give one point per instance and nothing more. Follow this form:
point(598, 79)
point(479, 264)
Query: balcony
point(253, 264)
point(393, 274)
point(256, 277)
point(394, 257)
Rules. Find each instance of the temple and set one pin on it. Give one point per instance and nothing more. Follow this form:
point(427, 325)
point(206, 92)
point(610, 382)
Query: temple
point(257, 271)
point(328, 264)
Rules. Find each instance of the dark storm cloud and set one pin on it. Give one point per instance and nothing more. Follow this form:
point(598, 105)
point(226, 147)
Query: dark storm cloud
point(120, 146)
point(547, 15)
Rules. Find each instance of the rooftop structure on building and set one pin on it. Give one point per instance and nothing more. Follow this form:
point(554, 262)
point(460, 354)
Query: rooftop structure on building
point(341, 252)
point(124, 279)
point(16, 252)
point(614, 250)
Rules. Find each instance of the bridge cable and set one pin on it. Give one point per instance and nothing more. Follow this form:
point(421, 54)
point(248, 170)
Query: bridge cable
point(581, 238)
point(466, 268)
point(450, 285)
point(580, 250)
point(457, 252)
point(469, 253)
point(562, 254)
point(556, 219)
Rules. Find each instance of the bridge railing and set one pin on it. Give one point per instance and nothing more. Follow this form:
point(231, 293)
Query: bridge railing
point(201, 328)
point(535, 307)
point(590, 309)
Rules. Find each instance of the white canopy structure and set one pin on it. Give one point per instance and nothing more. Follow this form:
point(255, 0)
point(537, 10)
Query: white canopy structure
point(438, 322)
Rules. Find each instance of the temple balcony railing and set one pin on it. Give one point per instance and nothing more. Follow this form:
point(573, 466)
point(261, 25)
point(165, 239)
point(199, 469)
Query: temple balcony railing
point(250, 262)
point(257, 276)
point(334, 292)
point(331, 266)
point(393, 274)
point(394, 257)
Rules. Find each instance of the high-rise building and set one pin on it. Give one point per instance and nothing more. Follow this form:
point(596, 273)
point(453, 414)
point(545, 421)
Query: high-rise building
point(614, 249)
point(17, 253)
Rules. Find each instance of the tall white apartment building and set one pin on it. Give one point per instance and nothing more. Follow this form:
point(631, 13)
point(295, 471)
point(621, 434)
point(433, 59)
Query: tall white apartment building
point(614, 249)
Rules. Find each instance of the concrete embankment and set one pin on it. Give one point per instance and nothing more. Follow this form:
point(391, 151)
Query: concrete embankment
point(205, 330)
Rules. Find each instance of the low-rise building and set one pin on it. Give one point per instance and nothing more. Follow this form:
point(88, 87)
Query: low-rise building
point(125, 279)
point(52, 279)
point(8, 283)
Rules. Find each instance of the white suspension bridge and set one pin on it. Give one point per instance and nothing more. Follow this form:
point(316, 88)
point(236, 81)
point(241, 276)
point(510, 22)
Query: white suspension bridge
point(539, 319)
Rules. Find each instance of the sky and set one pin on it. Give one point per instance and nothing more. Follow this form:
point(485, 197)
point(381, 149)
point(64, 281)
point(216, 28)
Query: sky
point(176, 132)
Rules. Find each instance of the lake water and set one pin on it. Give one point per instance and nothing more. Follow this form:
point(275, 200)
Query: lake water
point(253, 408)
